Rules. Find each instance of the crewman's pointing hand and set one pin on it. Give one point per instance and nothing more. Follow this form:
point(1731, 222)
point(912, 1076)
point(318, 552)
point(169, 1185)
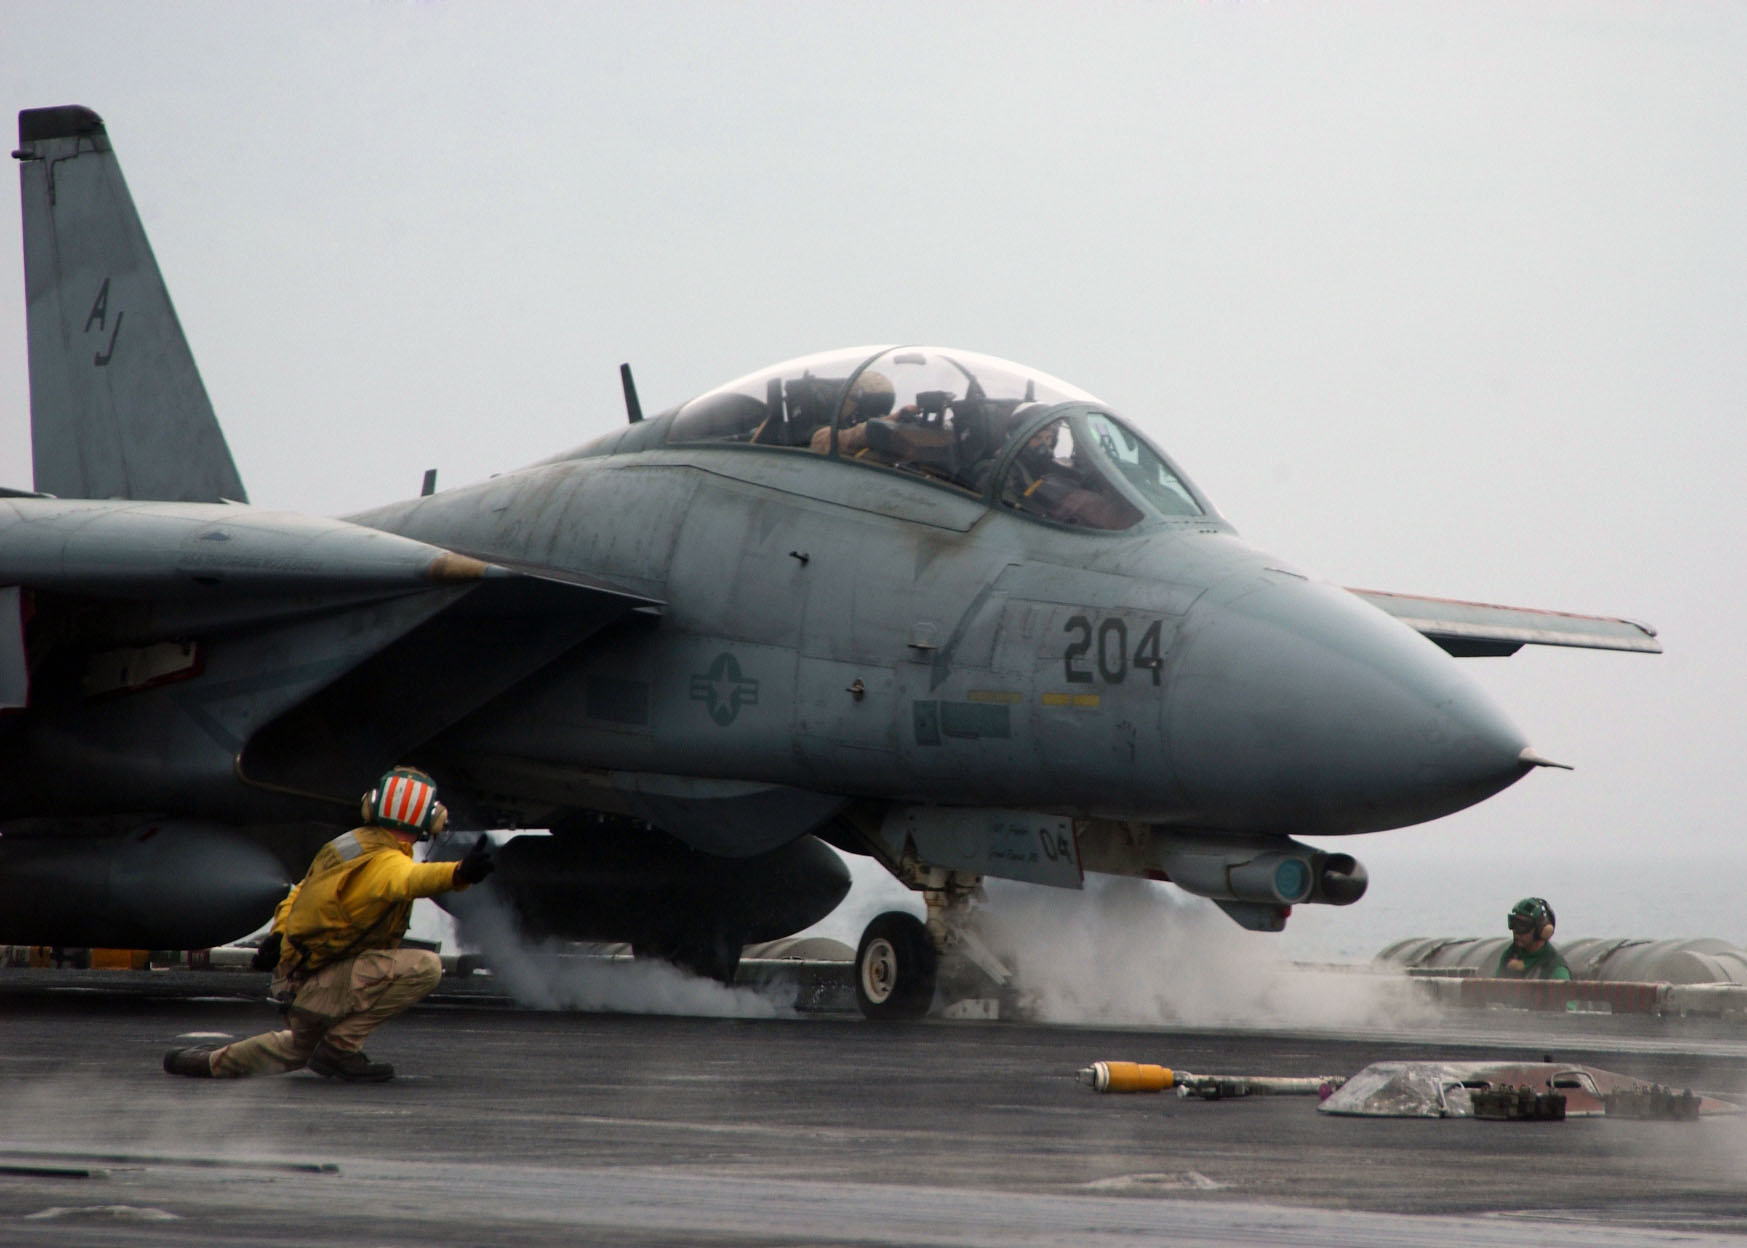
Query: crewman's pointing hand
point(477, 864)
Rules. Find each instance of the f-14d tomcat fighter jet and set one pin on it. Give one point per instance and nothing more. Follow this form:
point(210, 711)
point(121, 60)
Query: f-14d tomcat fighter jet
point(911, 602)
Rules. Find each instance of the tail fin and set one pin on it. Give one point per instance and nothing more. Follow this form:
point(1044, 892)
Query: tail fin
point(117, 409)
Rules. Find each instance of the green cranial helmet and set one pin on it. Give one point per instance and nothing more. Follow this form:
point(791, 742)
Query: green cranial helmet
point(1530, 914)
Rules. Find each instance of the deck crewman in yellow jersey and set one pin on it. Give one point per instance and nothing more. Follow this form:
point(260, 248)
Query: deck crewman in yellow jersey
point(341, 971)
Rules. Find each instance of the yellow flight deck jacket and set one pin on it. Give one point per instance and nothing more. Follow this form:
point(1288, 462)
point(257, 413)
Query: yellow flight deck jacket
point(357, 895)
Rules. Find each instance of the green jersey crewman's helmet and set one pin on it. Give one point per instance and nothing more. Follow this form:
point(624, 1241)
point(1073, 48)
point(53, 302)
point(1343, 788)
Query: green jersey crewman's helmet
point(1532, 915)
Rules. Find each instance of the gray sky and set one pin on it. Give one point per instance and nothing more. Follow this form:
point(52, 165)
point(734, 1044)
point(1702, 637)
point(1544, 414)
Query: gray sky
point(1446, 299)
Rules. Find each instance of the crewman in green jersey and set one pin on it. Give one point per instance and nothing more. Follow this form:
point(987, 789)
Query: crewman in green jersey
point(1530, 954)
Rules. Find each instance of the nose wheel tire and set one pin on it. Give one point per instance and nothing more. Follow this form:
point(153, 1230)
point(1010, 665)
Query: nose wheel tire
point(895, 968)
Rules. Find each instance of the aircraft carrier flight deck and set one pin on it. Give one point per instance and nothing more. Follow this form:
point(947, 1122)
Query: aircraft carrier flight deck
point(511, 1126)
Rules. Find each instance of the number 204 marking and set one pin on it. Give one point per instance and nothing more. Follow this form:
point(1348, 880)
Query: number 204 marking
point(1104, 646)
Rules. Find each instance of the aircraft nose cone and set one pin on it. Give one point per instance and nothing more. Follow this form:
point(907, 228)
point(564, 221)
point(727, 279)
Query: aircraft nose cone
point(1296, 707)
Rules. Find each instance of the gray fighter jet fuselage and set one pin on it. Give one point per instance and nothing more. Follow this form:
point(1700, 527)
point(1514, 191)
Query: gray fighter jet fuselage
point(877, 633)
point(920, 603)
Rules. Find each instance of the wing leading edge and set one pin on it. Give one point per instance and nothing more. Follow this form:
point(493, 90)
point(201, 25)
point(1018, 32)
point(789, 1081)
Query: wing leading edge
point(1481, 629)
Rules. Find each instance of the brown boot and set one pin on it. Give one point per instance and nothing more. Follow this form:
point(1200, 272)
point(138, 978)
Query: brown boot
point(195, 1063)
point(348, 1067)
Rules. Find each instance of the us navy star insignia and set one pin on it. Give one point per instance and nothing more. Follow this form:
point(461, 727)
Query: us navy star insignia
point(723, 690)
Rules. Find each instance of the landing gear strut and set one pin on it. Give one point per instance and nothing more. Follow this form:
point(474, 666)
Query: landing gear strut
point(969, 969)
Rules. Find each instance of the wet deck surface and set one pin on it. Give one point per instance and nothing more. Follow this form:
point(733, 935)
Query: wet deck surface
point(517, 1127)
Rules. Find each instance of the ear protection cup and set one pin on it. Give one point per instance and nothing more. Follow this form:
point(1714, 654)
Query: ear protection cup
point(1547, 928)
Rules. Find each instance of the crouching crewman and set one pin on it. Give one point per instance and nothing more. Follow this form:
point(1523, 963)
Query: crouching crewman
point(341, 971)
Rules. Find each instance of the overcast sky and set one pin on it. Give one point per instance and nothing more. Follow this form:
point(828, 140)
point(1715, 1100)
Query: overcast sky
point(1447, 299)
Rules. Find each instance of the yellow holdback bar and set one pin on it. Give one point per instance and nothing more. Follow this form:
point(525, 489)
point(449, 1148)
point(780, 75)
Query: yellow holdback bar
point(1141, 1077)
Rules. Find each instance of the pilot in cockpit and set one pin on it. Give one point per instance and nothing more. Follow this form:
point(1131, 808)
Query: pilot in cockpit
point(870, 398)
point(1050, 476)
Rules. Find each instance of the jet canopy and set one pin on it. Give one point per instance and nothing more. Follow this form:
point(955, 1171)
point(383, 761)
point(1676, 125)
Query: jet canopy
point(1014, 436)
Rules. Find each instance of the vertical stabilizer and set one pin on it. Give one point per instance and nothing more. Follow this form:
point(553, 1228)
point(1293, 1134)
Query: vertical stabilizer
point(117, 409)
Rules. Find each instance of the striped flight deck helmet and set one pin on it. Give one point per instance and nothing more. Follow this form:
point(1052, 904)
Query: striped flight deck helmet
point(406, 798)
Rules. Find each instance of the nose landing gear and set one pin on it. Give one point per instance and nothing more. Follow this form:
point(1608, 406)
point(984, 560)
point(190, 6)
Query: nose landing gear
point(896, 966)
point(902, 960)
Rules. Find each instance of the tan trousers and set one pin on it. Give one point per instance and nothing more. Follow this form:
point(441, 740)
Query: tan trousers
point(338, 1005)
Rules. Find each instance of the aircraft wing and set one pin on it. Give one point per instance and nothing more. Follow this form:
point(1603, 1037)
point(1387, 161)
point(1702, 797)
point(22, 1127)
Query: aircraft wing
point(1476, 629)
point(298, 653)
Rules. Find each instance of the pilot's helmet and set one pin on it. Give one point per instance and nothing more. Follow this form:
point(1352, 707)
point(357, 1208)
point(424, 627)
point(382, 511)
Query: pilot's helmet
point(1038, 453)
point(1002, 426)
point(406, 798)
point(1532, 914)
point(870, 396)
